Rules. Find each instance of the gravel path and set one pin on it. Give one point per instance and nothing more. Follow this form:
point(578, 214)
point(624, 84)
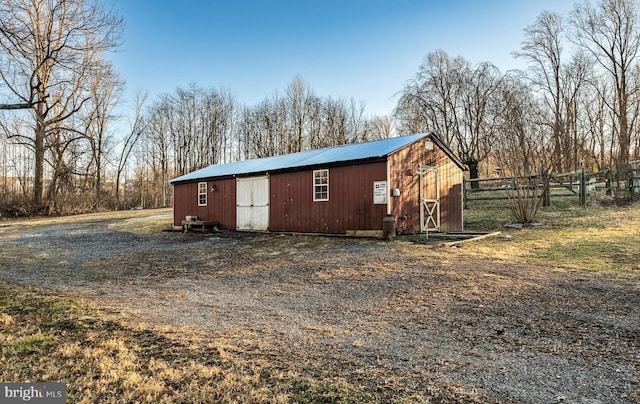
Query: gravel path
point(369, 312)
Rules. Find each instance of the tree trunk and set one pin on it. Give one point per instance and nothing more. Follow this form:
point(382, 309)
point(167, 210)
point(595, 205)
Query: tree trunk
point(623, 137)
point(38, 177)
point(118, 190)
point(473, 173)
point(98, 182)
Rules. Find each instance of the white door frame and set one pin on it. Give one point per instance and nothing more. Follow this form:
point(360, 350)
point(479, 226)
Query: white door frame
point(252, 203)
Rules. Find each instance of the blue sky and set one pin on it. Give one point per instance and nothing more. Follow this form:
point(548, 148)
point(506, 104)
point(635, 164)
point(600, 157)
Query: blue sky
point(356, 49)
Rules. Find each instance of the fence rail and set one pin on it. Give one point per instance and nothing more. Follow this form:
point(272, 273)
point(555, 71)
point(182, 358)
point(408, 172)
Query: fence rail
point(572, 184)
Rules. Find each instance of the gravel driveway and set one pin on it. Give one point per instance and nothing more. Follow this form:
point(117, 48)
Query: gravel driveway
point(394, 318)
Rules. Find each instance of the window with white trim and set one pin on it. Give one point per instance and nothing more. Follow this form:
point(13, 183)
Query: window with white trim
point(202, 194)
point(321, 185)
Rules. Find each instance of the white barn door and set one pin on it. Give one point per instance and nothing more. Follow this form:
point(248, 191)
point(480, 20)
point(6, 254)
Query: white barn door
point(252, 199)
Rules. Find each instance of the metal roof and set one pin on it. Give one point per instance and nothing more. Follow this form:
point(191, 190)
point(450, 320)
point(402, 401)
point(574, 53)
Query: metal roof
point(349, 152)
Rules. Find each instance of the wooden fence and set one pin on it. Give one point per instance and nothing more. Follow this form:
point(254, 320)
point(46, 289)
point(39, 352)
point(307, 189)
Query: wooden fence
point(634, 178)
point(575, 184)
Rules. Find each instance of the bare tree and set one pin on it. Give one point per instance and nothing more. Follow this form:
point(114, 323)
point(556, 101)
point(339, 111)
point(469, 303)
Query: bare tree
point(596, 122)
point(609, 32)
point(183, 131)
point(200, 123)
point(523, 148)
point(137, 127)
point(219, 115)
point(264, 128)
point(106, 88)
point(64, 155)
point(634, 107)
point(474, 140)
point(381, 127)
point(576, 77)
point(454, 99)
point(298, 100)
point(45, 52)
point(315, 132)
point(17, 162)
point(158, 135)
point(542, 48)
point(335, 122)
point(428, 102)
point(342, 122)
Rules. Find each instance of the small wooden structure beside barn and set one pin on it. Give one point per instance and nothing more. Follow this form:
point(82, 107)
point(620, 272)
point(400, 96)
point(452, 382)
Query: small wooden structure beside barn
point(332, 190)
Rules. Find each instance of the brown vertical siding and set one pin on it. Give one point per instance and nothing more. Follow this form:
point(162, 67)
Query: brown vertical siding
point(403, 166)
point(350, 205)
point(221, 203)
point(450, 177)
point(403, 175)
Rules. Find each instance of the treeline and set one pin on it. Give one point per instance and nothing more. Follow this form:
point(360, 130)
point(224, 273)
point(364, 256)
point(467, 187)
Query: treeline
point(173, 135)
point(195, 127)
point(576, 105)
point(64, 149)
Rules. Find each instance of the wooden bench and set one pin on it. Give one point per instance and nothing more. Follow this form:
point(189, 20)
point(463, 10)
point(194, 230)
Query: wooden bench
point(199, 225)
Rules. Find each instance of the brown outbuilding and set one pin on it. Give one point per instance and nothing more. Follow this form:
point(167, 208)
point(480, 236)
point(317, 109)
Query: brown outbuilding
point(350, 188)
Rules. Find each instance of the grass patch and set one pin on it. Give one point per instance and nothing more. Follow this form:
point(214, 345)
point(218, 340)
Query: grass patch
point(124, 215)
point(144, 225)
point(328, 393)
point(493, 215)
point(487, 215)
point(37, 343)
point(593, 237)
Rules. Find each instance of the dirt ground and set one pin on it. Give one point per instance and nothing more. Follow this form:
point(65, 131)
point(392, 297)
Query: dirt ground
point(392, 317)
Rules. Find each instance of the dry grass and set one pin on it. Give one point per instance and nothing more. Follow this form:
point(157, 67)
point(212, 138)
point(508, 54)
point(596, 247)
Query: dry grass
point(51, 339)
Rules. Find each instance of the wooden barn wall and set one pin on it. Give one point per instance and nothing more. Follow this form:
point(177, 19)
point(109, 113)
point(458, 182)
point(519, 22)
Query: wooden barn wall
point(221, 203)
point(350, 205)
point(403, 175)
point(450, 177)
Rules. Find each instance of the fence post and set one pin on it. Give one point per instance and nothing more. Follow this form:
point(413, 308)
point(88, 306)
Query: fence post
point(583, 187)
point(546, 196)
point(608, 181)
point(464, 193)
point(632, 182)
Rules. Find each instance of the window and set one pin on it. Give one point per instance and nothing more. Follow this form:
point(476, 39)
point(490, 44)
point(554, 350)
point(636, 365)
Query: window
point(202, 194)
point(321, 185)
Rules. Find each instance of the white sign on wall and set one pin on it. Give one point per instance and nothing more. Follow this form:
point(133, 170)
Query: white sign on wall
point(380, 192)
